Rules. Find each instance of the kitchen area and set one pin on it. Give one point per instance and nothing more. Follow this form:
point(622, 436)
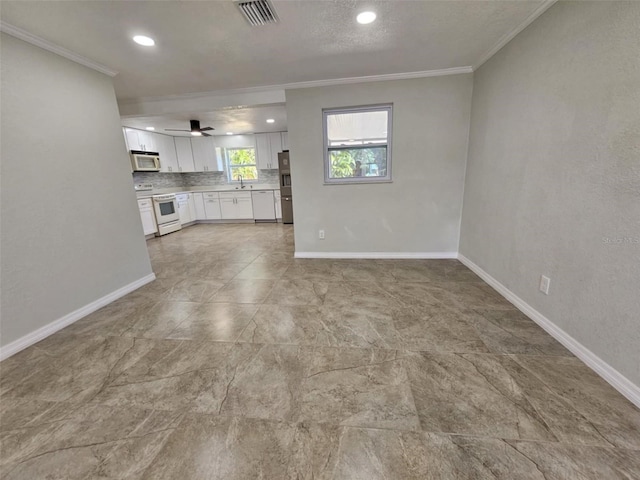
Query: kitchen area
point(199, 175)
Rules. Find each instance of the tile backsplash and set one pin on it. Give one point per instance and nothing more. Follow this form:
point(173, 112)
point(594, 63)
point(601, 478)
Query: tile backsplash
point(159, 180)
point(196, 179)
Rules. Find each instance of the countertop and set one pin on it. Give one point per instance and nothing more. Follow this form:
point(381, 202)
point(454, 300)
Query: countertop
point(210, 188)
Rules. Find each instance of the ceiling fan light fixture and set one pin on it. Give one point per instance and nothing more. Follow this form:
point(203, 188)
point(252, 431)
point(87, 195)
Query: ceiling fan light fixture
point(144, 40)
point(366, 17)
point(196, 134)
point(151, 129)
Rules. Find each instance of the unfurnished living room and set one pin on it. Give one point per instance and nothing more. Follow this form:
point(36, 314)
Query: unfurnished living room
point(320, 239)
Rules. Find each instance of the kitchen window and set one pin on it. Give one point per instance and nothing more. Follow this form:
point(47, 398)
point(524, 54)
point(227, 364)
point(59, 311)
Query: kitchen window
point(357, 144)
point(241, 162)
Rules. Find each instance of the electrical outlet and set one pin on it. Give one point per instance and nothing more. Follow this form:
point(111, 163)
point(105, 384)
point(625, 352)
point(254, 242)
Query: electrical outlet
point(545, 282)
point(321, 234)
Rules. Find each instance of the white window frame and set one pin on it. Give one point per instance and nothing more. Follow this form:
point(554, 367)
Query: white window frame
point(387, 107)
point(229, 168)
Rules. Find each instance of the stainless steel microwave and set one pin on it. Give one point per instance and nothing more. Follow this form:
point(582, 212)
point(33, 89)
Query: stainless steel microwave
point(145, 161)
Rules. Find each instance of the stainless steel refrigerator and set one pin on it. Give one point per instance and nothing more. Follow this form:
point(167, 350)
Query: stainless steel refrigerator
point(285, 187)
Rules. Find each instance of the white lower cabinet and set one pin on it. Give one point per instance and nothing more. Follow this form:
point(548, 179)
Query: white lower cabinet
point(236, 205)
point(186, 208)
point(212, 206)
point(198, 201)
point(147, 216)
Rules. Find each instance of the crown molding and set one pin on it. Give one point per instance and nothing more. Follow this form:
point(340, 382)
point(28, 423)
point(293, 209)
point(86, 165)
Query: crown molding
point(52, 47)
point(509, 36)
point(297, 85)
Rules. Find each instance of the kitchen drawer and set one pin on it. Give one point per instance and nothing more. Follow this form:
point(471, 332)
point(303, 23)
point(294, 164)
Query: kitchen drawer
point(211, 195)
point(145, 203)
point(236, 194)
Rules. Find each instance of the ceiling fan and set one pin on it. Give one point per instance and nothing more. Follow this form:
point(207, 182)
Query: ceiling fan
point(196, 131)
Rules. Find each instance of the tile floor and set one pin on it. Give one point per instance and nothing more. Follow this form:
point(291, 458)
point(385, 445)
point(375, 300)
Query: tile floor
point(240, 362)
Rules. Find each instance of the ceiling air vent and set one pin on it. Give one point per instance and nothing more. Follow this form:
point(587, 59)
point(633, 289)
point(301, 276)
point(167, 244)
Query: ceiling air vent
point(257, 12)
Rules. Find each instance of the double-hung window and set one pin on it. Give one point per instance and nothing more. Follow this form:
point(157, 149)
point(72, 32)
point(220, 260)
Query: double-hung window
point(241, 162)
point(357, 144)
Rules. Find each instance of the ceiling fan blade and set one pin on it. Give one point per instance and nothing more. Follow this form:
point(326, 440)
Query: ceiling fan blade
point(205, 134)
point(175, 130)
point(206, 128)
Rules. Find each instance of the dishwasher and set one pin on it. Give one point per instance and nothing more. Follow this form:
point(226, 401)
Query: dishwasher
point(263, 206)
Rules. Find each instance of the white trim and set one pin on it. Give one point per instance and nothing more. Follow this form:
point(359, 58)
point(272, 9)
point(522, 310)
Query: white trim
point(618, 381)
point(509, 36)
point(309, 84)
point(51, 328)
point(377, 255)
point(52, 47)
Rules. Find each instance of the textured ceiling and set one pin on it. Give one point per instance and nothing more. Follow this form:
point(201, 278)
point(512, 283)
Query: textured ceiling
point(204, 46)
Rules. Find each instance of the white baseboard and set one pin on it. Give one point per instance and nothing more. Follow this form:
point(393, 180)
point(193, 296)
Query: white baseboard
point(377, 255)
point(618, 381)
point(51, 328)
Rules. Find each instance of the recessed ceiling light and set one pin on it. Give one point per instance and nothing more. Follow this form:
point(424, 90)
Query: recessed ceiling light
point(229, 133)
point(366, 17)
point(142, 40)
point(150, 128)
point(270, 120)
point(196, 134)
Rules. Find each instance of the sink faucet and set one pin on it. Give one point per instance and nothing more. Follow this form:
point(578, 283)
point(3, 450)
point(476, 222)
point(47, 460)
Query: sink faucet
point(241, 184)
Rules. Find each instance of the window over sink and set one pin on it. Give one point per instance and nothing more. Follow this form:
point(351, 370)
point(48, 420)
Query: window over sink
point(357, 144)
point(241, 162)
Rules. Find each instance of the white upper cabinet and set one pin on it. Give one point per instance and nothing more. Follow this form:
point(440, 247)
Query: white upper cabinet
point(268, 145)
point(168, 156)
point(185, 154)
point(204, 155)
point(285, 140)
point(275, 142)
point(263, 150)
point(140, 140)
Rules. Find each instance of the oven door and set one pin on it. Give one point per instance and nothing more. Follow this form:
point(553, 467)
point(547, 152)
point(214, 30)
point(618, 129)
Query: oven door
point(166, 208)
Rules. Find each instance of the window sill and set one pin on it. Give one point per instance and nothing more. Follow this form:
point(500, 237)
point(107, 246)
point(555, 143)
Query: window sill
point(358, 182)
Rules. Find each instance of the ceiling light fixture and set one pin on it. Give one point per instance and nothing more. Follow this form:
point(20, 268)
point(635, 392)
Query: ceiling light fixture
point(196, 134)
point(150, 129)
point(270, 120)
point(145, 41)
point(229, 133)
point(366, 17)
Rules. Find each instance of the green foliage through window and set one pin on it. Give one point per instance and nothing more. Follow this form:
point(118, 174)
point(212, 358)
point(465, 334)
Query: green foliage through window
point(358, 162)
point(241, 162)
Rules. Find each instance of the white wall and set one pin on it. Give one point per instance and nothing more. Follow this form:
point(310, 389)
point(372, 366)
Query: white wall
point(554, 171)
point(420, 211)
point(71, 232)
